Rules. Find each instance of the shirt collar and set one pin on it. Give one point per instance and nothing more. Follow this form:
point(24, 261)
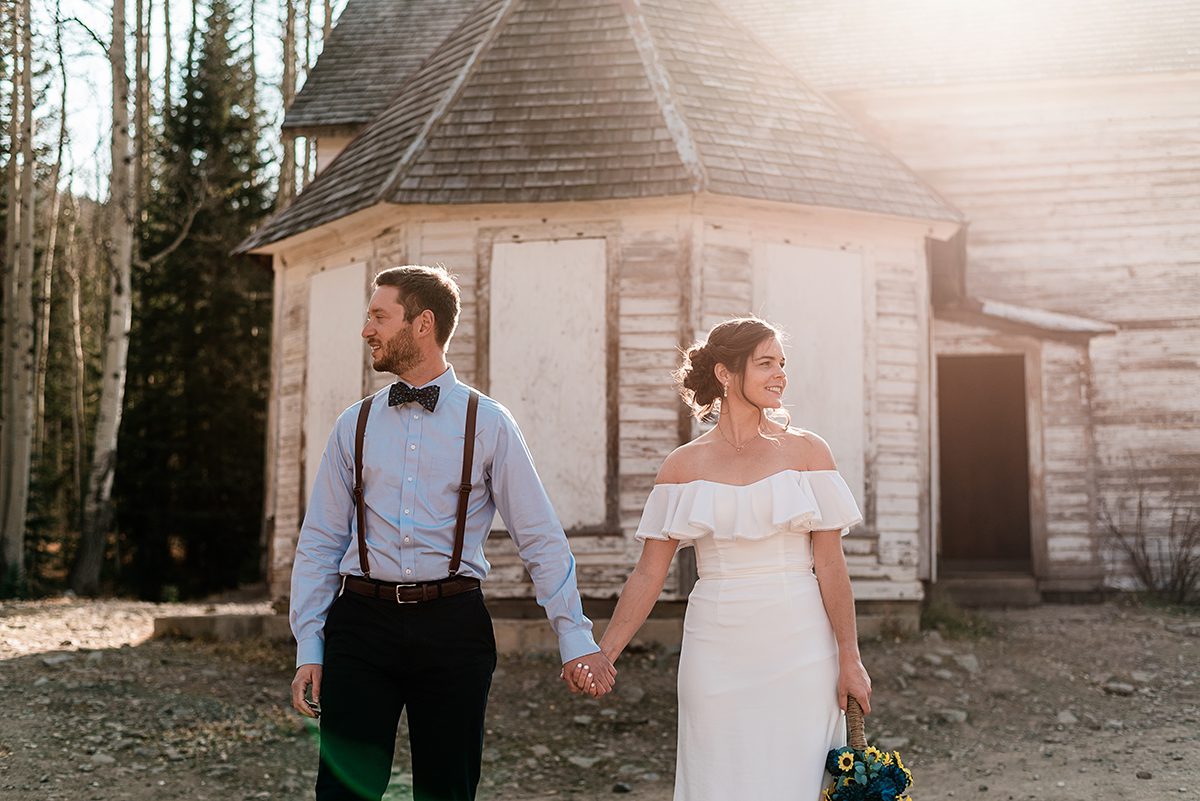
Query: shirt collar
point(446, 383)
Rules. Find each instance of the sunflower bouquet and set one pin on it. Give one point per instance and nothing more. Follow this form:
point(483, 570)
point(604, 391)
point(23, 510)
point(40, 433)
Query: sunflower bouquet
point(862, 772)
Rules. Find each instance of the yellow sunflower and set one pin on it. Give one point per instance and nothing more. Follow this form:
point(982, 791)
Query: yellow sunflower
point(886, 759)
point(874, 753)
point(846, 761)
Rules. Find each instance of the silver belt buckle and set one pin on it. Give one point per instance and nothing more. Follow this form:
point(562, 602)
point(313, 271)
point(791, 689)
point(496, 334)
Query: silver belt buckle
point(398, 586)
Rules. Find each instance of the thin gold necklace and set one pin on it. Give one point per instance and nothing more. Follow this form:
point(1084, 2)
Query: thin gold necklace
point(734, 445)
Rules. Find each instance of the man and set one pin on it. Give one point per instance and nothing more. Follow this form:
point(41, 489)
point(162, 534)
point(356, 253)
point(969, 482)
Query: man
point(386, 606)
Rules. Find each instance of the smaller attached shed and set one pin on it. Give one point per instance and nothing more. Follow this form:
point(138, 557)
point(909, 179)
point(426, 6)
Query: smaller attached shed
point(607, 178)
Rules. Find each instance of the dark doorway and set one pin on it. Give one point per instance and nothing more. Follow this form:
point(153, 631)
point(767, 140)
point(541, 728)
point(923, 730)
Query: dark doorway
point(984, 468)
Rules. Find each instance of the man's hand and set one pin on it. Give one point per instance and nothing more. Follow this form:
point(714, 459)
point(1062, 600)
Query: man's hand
point(591, 674)
point(306, 675)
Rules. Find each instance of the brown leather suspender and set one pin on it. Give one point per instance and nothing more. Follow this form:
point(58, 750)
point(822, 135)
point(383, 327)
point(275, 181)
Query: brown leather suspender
point(360, 507)
point(464, 487)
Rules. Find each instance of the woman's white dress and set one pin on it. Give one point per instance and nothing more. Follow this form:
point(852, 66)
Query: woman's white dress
point(758, 671)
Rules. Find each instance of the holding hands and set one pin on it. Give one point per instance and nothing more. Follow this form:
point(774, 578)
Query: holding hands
point(591, 674)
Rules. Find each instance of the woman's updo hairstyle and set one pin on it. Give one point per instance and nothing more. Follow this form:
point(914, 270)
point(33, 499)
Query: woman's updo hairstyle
point(730, 343)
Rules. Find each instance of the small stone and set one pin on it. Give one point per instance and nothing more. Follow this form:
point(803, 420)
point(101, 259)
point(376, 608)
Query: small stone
point(943, 674)
point(56, 659)
point(94, 657)
point(631, 693)
point(40, 681)
point(172, 754)
point(1141, 676)
point(540, 750)
point(908, 669)
point(622, 787)
point(968, 662)
point(583, 762)
point(1114, 725)
point(608, 712)
point(491, 755)
point(933, 636)
point(583, 720)
point(1145, 774)
point(100, 758)
point(932, 659)
point(892, 743)
point(1066, 718)
point(1119, 688)
point(952, 715)
point(650, 776)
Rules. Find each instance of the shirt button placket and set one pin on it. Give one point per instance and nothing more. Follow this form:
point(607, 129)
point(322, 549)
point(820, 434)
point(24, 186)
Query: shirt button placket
point(408, 494)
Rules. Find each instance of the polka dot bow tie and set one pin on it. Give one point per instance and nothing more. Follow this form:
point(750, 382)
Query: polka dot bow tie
point(403, 393)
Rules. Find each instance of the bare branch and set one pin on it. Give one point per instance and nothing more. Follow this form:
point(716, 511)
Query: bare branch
point(184, 230)
point(95, 37)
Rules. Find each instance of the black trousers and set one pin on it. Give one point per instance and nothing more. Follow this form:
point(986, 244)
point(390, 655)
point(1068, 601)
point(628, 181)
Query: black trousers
point(434, 658)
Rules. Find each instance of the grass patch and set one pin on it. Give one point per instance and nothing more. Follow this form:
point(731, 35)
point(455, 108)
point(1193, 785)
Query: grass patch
point(940, 613)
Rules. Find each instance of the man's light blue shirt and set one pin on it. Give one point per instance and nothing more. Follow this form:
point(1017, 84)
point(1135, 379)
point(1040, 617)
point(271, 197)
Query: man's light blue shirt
point(412, 467)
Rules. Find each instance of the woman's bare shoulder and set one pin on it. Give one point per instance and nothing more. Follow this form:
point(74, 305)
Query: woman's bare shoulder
point(809, 450)
point(685, 463)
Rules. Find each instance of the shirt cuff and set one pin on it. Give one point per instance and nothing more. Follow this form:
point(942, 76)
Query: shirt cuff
point(310, 652)
point(575, 644)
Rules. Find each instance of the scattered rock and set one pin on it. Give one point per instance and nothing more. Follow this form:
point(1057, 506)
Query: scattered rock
point(968, 662)
point(952, 715)
point(650, 776)
point(1145, 774)
point(1119, 688)
point(94, 658)
point(583, 720)
point(583, 762)
point(1112, 724)
point(908, 669)
point(55, 660)
point(892, 743)
point(1141, 676)
point(631, 693)
point(100, 758)
point(1066, 718)
point(943, 674)
point(932, 659)
point(622, 787)
point(540, 750)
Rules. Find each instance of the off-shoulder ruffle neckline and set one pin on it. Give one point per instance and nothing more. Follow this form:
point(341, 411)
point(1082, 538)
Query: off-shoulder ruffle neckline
point(776, 474)
point(787, 500)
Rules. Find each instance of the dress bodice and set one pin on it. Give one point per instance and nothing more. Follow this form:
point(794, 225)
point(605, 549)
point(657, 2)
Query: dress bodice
point(755, 528)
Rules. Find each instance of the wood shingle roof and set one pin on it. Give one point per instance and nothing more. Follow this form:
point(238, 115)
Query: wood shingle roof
point(375, 46)
point(870, 44)
point(569, 100)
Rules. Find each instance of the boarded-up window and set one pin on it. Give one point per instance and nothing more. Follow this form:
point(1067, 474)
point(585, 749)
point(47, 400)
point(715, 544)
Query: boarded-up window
point(816, 296)
point(547, 358)
point(334, 376)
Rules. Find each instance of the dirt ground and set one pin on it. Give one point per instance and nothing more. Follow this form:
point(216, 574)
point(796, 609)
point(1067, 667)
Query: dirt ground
point(1066, 703)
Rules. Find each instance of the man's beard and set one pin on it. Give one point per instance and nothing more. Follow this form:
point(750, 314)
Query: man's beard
point(400, 354)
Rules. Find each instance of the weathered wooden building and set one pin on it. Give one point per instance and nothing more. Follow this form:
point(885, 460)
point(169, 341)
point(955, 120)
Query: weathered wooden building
point(1066, 132)
point(609, 177)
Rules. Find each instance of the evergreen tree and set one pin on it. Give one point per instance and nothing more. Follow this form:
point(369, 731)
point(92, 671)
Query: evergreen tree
point(189, 475)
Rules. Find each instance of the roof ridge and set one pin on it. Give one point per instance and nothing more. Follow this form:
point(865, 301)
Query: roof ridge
point(660, 83)
point(452, 92)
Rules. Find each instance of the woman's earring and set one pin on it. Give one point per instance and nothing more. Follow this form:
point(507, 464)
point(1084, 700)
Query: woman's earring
point(726, 393)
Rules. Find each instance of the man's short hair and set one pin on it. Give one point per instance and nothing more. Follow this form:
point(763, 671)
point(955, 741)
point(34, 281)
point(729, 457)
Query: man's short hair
point(422, 288)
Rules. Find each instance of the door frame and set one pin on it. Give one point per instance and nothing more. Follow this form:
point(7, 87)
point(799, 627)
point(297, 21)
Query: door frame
point(976, 342)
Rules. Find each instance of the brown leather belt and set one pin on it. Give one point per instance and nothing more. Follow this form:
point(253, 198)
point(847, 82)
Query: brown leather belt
point(410, 593)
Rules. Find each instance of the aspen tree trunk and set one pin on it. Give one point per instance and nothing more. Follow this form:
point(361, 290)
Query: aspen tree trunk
point(328, 26)
point(287, 169)
point(19, 426)
point(48, 259)
point(167, 57)
point(307, 171)
point(78, 424)
point(141, 106)
point(97, 508)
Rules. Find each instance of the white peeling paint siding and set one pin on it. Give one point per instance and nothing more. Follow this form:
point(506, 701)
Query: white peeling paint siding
point(547, 365)
point(336, 302)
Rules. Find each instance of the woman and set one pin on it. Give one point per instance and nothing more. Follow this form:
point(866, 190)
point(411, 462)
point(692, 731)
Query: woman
point(770, 649)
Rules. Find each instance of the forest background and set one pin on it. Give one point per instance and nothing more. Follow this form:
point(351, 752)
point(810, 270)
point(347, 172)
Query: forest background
point(135, 346)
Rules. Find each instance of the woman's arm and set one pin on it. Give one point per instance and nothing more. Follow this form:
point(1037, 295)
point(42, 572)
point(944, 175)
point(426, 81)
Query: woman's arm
point(638, 596)
point(829, 562)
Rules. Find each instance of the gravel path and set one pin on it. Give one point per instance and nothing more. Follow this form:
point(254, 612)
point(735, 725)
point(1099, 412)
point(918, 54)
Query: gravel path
point(1069, 703)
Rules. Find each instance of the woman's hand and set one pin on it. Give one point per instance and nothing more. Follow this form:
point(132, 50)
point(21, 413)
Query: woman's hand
point(853, 680)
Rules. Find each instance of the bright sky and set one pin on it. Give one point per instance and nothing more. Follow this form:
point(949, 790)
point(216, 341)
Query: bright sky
point(89, 85)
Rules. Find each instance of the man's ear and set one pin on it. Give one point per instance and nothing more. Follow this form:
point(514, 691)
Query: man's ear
point(425, 323)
